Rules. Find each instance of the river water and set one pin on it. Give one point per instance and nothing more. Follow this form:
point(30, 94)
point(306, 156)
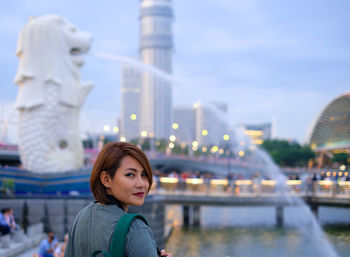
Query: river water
point(251, 232)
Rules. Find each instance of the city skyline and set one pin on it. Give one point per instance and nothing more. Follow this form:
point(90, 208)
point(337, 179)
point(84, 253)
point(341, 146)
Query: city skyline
point(281, 62)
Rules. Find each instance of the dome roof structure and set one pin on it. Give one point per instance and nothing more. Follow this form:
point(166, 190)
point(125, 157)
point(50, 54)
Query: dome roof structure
point(331, 130)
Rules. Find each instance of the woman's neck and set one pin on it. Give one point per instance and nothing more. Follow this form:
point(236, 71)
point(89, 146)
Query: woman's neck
point(114, 201)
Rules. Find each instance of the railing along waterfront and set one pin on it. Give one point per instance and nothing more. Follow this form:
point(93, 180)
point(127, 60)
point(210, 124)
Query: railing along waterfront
point(251, 187)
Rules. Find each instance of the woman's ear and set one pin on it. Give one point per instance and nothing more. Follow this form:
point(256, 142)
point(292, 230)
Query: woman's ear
point(105, 179)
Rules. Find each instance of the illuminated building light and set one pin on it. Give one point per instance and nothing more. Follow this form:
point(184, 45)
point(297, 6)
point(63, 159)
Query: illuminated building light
point(195, 143)
point(226, 137)
point(245, 182)
point(115, 129)
point(325, 182)
point(133, 116)
point(204, 132)
point(171, 145)
point(223, 182)
point(122, 139)
point(194, 148)
point(194, 181)
point(253, 132)
point(168, 180)
point(204, 149)
point(344, 183)
point(342, 167)
point(241, 153)
point(293, 182)
point(221, 151)
point(172, 138)
point(268, 182)
point(258, 141)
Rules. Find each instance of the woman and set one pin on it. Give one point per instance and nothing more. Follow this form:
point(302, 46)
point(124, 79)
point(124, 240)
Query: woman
point(121, 176)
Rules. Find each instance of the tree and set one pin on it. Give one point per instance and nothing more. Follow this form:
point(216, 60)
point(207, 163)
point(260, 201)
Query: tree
point(288, 154)
point(341, 158)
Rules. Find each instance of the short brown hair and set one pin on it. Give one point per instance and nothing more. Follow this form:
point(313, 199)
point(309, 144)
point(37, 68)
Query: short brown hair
point(109, 160)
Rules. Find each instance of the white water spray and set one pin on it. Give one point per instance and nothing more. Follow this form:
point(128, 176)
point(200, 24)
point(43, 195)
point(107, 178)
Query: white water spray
point(143, 67)
point(303, 219)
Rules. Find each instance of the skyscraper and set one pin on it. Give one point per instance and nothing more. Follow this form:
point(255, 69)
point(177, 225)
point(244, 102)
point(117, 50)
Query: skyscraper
point(211, 123)
point(130, 103)
point(185, 117)
point(156, 47)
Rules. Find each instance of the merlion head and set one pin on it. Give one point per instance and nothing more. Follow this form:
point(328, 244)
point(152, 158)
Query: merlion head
point(48, 47)
point(51, 49)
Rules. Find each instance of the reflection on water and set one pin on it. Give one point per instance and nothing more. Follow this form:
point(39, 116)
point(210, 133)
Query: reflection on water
point(251, 231)
point(251, 242)
point(340, 238)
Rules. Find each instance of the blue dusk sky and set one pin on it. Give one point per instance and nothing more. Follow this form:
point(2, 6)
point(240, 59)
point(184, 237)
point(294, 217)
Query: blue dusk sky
point(269, 60)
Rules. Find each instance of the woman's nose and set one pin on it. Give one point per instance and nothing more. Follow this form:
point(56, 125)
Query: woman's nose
point(140, 182)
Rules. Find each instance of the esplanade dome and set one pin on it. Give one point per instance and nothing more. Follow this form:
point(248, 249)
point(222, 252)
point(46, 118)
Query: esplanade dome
point(331, 129)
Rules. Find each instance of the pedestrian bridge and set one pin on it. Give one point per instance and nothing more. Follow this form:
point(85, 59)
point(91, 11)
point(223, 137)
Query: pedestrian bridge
point(193, 193)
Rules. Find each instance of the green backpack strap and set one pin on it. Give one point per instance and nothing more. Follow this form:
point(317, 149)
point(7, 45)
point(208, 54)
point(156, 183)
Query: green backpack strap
point(121, 231)
point(95, 253)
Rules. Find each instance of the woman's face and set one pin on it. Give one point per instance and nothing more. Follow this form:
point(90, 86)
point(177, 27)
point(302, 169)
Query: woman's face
point(130, 183)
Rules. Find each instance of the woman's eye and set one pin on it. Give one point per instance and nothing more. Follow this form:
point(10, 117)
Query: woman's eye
point(144, 174)
point(130, 175)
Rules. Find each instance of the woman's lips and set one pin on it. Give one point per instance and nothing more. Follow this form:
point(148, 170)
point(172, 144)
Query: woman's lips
point(141, 194)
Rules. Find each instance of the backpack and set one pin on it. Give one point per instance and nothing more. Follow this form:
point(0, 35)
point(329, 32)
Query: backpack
point(119, 236)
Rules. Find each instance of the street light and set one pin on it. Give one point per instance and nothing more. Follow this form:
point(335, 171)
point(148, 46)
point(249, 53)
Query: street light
point(214, 149)
point(204, 132)
point(144, 133)
point(106, 128)
point(175, 125)
point(172, 138)
point(115, 129)
point(123, 139)
point(133, 116)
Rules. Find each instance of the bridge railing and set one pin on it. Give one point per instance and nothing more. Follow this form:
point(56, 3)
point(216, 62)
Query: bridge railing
point(321, 188)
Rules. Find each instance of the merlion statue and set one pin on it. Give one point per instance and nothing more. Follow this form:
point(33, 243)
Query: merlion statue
point(50, 93)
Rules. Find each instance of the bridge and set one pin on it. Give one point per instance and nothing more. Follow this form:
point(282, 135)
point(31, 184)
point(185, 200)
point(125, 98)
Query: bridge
point(193, 193)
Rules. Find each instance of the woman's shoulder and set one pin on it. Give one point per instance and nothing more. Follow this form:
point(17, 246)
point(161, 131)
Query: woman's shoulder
point(140, 240)
point(111, 211)
point(139, 224)
point(95, 213)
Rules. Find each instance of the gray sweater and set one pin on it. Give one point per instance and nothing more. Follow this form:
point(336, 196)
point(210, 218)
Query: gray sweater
point(93, 229)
